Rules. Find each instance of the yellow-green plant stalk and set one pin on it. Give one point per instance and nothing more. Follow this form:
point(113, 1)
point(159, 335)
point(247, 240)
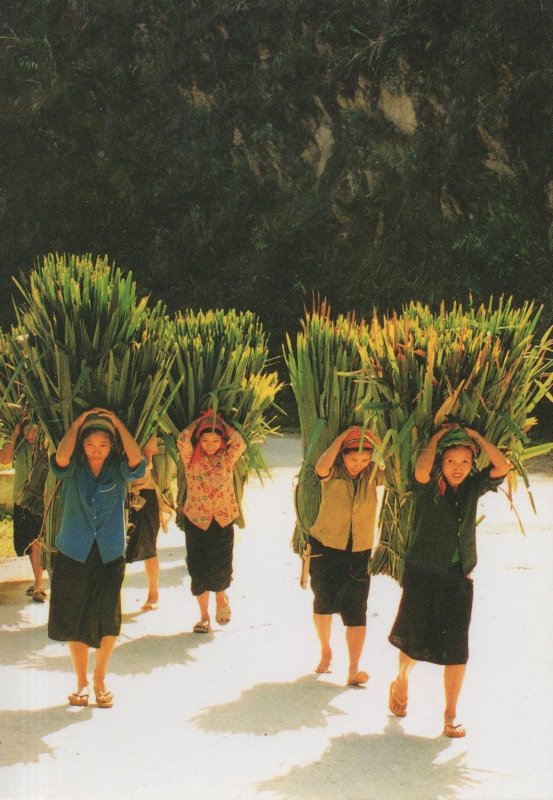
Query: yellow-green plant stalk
point(12, 400)
point(86, 340)
point(485, 367)
point(323, 364)
point(222, 363)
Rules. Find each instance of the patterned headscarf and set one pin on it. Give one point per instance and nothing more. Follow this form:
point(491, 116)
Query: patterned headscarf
point(208, 422)
point(456, 437)
point(357, 438)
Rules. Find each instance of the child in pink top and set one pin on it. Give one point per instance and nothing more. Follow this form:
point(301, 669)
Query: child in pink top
point(209, 449)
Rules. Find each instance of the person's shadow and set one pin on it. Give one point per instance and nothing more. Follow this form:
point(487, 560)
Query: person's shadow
point(269, 708)
point(386, 766)
point(27, 731)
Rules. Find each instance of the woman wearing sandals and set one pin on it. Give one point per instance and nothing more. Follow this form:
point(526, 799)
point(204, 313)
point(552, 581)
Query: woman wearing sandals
point(209, 449)
point(89, 565)
point(20, 448)
point(433, 619)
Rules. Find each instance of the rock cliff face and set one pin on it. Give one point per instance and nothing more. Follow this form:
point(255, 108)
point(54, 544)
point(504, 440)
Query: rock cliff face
point(251, 153)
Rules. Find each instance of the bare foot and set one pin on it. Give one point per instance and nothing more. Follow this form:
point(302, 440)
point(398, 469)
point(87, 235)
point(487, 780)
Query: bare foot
point(357, 678)
point(324, 664)
point(397, 700)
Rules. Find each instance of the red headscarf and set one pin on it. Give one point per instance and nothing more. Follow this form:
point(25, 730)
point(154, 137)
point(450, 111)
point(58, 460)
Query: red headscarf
point(356, 438)
point(208, 422)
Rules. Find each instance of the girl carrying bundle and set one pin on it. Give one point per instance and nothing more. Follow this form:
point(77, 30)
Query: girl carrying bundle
point(209, 448)
point(341, 540)
point(433, 619)
point(85, 601)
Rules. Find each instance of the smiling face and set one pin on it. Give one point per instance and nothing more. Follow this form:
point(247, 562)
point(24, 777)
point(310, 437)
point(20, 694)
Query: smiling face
point(210, 442)
point(97, 447)
point(456, 465)
point(355, 461)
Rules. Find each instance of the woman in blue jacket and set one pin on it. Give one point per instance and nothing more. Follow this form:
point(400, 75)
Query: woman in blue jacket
point(94, 461)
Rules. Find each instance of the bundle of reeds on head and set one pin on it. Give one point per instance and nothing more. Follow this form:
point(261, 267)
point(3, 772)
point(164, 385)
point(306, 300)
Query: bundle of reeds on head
point(88, 340)
point(12, 400)
point(484, 367)
point(222, 363)
point(322, 365)
point(14, 409)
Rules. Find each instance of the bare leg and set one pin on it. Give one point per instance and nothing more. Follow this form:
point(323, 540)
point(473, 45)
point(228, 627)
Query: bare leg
point(103, 696)
point(203, 603)
point(79, 657)
point(151, 565)
point(323, 626)
point(355, 639)
point(36, 564)
point(454, 675)
point(397, 702)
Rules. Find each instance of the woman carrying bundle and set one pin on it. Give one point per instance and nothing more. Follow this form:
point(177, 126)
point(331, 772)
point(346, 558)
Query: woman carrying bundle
point(341, 540)
point(433, 619)
point(21, 449)
point(85, 602)
point(209, 449)
point(148, 511)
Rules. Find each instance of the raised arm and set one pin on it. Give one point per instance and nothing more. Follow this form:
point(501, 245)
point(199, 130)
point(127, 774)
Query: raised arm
point(131, 448)
point(236, 443)
point(425, 460)
point(184, 443)
point(67, 444)
point(500, 463)
point(6, 452)
point(326, 460)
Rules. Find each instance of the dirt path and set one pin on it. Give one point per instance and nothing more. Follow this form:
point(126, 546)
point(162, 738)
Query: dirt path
point(239, 714)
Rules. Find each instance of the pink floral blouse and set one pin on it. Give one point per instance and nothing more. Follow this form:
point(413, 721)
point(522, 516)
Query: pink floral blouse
point(209, 486)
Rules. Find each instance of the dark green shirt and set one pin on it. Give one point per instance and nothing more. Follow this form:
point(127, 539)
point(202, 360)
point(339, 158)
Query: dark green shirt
point(445, 524)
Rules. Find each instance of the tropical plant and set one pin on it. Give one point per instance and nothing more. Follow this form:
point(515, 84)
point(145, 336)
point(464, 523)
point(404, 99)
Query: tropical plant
point(12, 402)
point(89, 341)
point(86, 340)
point(323, 366)
point(222, 363)
point(483, 367)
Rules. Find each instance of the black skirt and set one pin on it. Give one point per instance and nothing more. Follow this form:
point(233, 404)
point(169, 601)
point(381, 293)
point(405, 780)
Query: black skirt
point(143, 528)
point(26, 528)
point(340, 582)
point(209, 556)
point(433, 619)
point(85, 599)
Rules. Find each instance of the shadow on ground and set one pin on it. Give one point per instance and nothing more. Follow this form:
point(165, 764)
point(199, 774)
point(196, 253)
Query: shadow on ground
point(386, 766)
point(29, 729)
point(269, 708)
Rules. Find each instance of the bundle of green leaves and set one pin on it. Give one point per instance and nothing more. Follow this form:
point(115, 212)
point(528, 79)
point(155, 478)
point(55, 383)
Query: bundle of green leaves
point(486, 368)
point(222, 363)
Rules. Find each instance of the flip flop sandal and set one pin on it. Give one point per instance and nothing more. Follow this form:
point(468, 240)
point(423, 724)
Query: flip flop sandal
point(31, 590)
point(202, 626)
point(454, 731)
point(79, 698)
point(396, 706)
point(39, 597)
point(104, 699)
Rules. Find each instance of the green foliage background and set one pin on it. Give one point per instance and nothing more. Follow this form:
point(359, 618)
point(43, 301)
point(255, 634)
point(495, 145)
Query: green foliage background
point(187, 141)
